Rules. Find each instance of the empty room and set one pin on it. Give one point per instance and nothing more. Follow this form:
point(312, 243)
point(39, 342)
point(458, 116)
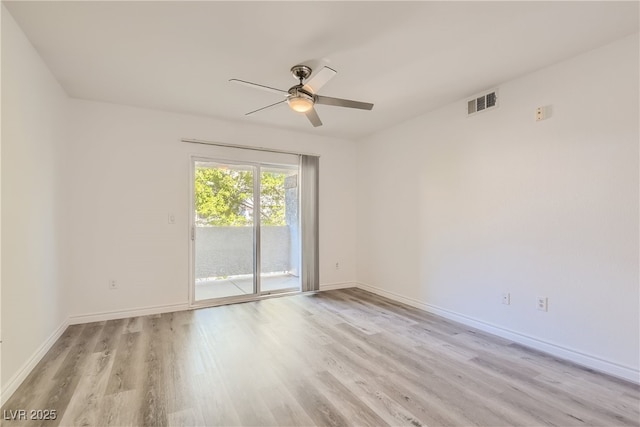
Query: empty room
point(320, 213)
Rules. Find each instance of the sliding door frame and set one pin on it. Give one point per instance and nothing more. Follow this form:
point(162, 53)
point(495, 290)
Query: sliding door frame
point(257, 241)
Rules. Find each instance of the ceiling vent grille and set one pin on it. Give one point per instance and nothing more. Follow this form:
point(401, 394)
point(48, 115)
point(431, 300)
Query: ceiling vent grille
point(483, 102)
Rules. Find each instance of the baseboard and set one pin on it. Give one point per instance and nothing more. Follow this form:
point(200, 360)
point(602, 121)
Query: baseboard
point(144, 311)
point(575, 356)
point(338, 285)
point(17, 379)
point(123, 314)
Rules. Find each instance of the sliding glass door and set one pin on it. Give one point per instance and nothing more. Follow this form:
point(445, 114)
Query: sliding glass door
point(246, 235)
point(224, 229)
point(279, 229)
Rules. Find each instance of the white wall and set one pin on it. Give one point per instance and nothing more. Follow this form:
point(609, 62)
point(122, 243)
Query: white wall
point(128, 170)
point(453, 211)
point(34, 306)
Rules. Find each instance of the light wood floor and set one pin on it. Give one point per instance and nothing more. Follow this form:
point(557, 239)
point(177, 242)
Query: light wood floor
point(343, 357)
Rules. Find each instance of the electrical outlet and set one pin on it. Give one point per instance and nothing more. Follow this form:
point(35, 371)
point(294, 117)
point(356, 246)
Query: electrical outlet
point(506, 298)
point(543, 113)
point(113, 284)
point(172, 218)
point(337, 265)
point(542, 303)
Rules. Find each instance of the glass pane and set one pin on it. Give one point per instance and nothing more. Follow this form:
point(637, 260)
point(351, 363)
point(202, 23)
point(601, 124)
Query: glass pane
point(224, 238)
point(279, 229)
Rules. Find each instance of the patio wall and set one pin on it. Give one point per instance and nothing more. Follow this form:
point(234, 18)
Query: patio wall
point(228, 251)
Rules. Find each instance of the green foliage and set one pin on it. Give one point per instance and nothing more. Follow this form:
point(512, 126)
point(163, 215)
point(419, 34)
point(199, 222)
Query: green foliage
point(224, 197)
point(272, 201)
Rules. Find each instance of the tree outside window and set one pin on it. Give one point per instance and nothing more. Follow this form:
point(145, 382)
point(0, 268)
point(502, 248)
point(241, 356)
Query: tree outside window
point(224, 197)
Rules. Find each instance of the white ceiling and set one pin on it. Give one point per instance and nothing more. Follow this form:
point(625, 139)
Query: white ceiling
point(406, 57)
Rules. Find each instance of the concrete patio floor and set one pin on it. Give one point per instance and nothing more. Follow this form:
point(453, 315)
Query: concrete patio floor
point(243, 285)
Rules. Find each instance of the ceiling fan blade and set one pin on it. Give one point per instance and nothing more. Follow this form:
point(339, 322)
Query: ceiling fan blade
point(313, 117)
point(319, 79)
point(257, 86)
point(264, 108)
point(339, 102)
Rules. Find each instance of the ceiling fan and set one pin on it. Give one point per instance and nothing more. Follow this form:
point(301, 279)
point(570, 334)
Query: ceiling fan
point(303, 96)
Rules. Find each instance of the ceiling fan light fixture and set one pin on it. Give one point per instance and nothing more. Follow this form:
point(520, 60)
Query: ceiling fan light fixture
point(300, 105)
point(300, 102)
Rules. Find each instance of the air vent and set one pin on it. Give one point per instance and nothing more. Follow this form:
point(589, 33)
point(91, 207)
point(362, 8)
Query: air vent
point(483, 102)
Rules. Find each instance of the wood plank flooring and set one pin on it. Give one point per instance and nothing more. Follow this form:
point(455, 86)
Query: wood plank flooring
point(344, 357)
